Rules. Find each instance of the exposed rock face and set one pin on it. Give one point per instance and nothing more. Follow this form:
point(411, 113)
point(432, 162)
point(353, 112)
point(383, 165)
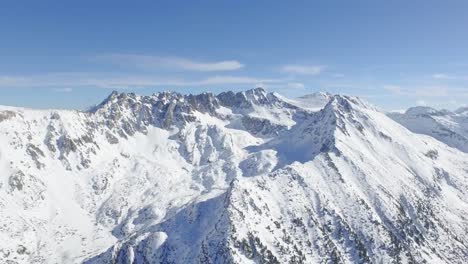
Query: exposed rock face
point(35, 154)
point(4, 115)
point(16, 181)
point(163, 110)
point(259, 126)
point(249, 99)
point(247, 177)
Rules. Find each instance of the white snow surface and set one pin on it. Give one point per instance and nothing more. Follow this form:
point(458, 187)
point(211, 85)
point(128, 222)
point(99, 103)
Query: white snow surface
point(250, 177)
point(446, 126)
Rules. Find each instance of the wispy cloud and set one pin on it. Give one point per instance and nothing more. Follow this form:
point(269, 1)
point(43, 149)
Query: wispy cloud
point(337, 75)
point(233, 80)
point(149, 62)
point(443, 76)
point(303, 69)
point(427, 91)
point(432, 91)
point(421, 103)
point(63, 90)
point(261, 85)
point(119, 81)
point(456, 103)
point(294, 86)
point(440, 76)
point(393, 88)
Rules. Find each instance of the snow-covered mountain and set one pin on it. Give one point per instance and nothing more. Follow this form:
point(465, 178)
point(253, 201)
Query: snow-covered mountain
point(446, 126)
point(248, 177)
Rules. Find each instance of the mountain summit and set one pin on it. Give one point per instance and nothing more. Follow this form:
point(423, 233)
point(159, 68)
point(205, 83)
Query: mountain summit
point(246, 177)
point(446, 126)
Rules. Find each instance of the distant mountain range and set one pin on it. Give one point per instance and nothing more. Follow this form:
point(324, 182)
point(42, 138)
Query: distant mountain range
point(446, 126)
point(246, 177)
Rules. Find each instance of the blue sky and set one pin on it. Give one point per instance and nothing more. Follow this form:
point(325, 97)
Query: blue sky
point(72, 54)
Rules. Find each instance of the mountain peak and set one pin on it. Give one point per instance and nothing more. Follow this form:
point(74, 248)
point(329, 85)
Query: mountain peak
point(420, 110)
point(316, 95)
point(462, 111)
point(257, 91)
point(112, 95)
point(109, 99)
point(344, 103)
point(444, 125)
point(248, 99)
point(113, 98)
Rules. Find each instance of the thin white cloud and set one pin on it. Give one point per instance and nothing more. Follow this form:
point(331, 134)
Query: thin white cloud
point(233, 80)
point(303, 69)
point(393, 88)
point(421, 103)
point(148, 62)
point(440, 76)
point(338, 75)
point(427, 91)
point(443, 76)
point(294, 86)
point(432, 91)
point(456, 104)
point(118, 81)
point(261, 85)
point(63, 90)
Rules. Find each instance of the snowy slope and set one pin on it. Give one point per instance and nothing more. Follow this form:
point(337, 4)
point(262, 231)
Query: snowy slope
point(249, 177)
point(312, 102)
point(463, 111)
point(446, 126)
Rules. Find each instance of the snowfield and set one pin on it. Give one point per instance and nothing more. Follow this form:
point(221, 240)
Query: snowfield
point(248, 177)
point(446, 126)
